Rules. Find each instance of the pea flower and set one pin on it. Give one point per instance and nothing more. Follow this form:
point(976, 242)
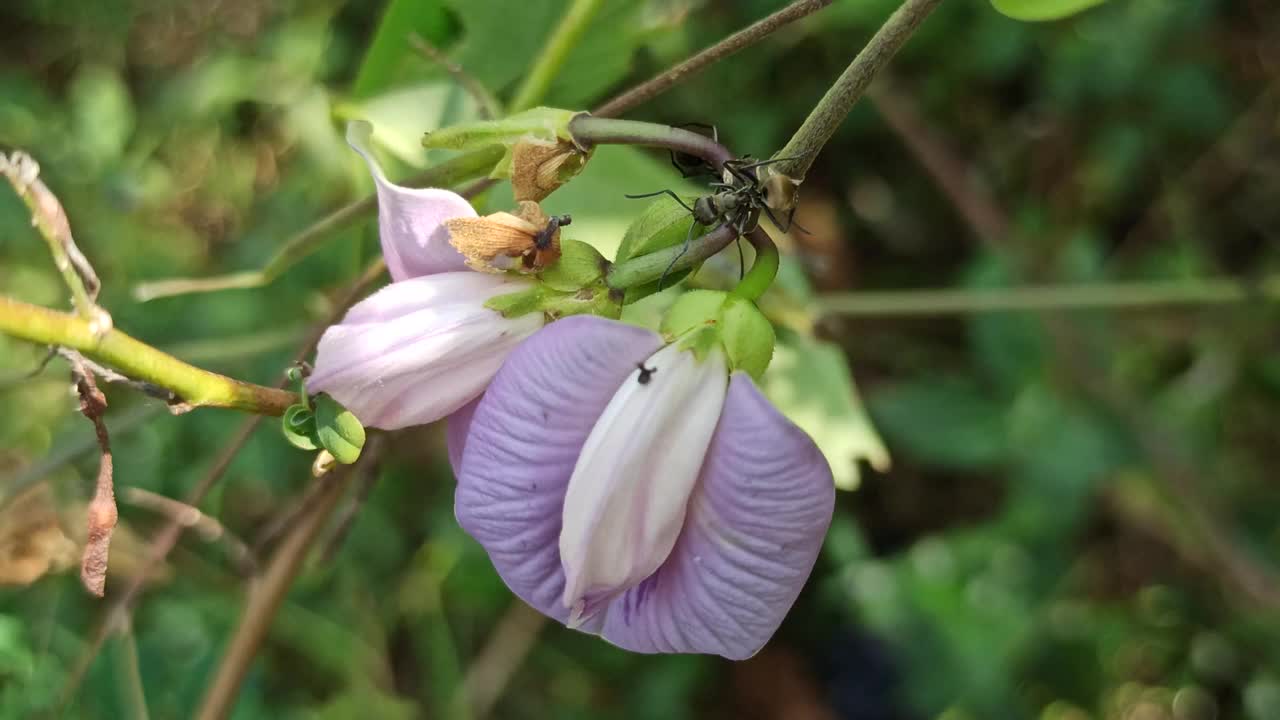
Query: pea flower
point(641, 490)
point(426, 345)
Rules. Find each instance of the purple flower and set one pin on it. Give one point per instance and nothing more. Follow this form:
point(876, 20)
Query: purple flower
point(424, 346)
point(635, 489)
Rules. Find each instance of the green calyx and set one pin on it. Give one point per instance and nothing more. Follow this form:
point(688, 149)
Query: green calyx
point(702, 319)
point(572, 285)
point(540, 123)
point(323, 423)
point(662, 224)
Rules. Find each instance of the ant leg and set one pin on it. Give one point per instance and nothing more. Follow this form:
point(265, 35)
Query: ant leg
point(688, 240)
point(770, 161)
point(742, 261)
point(661, 192)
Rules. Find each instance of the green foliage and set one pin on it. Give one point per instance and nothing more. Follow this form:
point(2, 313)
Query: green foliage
point(1043, 9)
point(1028, 554)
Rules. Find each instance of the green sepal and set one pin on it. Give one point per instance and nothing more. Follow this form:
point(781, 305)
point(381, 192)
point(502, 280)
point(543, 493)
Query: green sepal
point(338, 430)
point(635, 293)
point(694, 309)
point(540, 123)
point(747, 335)
point(664, 223)
point(519, 303)
point(299, 427)
point(596, 299)
point(579, 265)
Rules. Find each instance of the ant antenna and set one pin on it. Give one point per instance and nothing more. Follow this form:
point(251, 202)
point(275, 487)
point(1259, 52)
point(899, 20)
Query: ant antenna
point(674, 196)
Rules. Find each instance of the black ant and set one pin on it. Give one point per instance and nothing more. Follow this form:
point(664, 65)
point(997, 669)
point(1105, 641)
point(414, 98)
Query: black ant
point(646, 374)
point(738, 200)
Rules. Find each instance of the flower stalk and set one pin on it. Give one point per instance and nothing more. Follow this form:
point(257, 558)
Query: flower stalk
point(588, 131)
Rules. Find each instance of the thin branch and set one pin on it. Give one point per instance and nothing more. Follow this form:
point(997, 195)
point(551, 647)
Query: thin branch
point(554, 54)
point(1084, 366)
point(193, 386)
point(167, 538)
point(449, 173)
point(50, 219)
point(131, 676)
point(831, 110)
point(269, 590)
point(102, 514)
point(208, 528)
point(489, 673)
point(485, 101)
point(1114, 296)
point(967, 191)
point(744, 38)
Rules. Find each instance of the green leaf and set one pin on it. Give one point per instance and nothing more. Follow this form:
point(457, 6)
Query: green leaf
point(662, 224)
point(747, 335)
point(338, 430)
point(299, 427)
point(390, 46)
point(811, 384)
point(579, 265)
point(1035, 10)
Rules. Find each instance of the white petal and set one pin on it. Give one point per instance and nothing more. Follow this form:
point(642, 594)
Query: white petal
point(417, 350)
point(629, 491)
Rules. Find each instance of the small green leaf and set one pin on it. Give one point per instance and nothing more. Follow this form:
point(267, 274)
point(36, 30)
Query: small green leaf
point(579, 265)
point(664, 223)
point(747, 335)
point(1036, 10)
point(299, 426)
point(337, 430)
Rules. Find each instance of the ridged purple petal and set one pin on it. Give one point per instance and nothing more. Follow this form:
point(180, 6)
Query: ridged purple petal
point(458, 426)
point(525, 438)
point(755, 525)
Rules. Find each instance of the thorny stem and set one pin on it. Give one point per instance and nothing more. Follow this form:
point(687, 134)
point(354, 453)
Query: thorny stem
point(1114, 296)
point(553, 55)
point(648, 268)
point(193, 386)
point(588, 131)
point(830, 112)
point(740, 40)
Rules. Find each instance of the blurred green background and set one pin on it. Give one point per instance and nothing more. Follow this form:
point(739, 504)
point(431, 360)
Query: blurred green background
point(1080, 520)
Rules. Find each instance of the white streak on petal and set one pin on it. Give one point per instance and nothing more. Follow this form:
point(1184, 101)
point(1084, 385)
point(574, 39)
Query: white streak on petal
point(411, 227)
point(418, 350)
point(627, 497)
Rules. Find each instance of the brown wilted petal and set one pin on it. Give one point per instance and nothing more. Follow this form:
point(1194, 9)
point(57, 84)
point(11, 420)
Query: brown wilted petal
point(538, 167)
point(504, 241)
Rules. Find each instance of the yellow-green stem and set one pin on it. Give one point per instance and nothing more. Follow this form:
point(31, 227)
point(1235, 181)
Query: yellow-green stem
point(193, 386)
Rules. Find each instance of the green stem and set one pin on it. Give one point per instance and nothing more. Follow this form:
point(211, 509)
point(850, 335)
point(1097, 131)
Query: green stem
point(588, 131)
point(449, 173)
point(648, 268)
point(1113, 296)
point(193, 386)
point(764, 268)
point(830, 112)
point(554, 53)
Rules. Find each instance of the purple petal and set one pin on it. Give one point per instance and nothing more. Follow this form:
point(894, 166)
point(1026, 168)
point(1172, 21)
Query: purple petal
point(456, 430)
point(525, 438)
point(755, 525)
point(411, 227)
